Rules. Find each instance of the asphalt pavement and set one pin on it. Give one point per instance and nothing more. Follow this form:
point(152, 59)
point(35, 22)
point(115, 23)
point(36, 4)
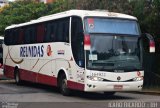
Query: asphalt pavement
point(31, 95)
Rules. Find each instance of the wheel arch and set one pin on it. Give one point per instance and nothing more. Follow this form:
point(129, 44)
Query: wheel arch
point(60, 72)
point(16, 66)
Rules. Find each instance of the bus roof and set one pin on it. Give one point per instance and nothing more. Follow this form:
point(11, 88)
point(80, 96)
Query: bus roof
point(80, 13)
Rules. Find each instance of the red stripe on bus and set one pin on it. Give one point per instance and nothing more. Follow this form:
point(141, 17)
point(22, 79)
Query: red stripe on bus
point(28, 75)
point(40, 78)
point(31, 76)
point(1, 76)
point(48, 80)
point(9, 71)
point(75, 85)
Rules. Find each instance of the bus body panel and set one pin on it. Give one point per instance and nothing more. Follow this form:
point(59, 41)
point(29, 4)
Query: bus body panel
point(110, 80)
point(44, 69)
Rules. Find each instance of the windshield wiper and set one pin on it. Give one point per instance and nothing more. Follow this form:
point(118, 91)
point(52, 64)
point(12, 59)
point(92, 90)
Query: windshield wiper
point(128, 68)
point(103, 64)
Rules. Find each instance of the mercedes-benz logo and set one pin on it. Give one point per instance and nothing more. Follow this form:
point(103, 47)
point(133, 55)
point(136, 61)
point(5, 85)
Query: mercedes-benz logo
point(118, 78)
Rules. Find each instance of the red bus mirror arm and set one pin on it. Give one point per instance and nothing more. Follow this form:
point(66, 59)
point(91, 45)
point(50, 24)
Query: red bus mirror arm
point(151, 42)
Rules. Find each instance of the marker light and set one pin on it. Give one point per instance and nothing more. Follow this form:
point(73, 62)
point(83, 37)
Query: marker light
point(94, 78)
point(138, 73)
point(151, 46)
point(87, 42)
point(138, 79)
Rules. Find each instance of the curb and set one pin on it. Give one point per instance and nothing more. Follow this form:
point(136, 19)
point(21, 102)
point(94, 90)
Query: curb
point(147, 92)
point(151, 92)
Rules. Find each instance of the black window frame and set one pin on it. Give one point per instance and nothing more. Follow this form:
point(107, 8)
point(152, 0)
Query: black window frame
point(30, 32)
point(77, 33)
point(60, 30)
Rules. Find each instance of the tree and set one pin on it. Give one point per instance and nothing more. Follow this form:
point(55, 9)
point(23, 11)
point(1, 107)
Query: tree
point(19, 12)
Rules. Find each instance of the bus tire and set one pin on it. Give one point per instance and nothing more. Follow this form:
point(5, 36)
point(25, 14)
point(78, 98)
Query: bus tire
point(63, 85)
point(17, 76)
point(108, 94)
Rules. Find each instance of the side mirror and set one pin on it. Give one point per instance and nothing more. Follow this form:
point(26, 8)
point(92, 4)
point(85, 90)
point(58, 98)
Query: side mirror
point(148, 43)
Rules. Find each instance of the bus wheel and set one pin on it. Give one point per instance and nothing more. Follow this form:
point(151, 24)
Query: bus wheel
point(17, 76)
point(63, 86)
point(107, 94)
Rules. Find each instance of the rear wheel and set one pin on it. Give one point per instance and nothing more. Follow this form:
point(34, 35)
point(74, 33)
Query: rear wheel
point(107, 94)
point(17, 76)
point(63, 85)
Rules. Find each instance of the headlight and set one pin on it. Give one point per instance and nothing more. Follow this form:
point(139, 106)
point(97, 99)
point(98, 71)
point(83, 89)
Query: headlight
point(138, 79)
point(94, 78)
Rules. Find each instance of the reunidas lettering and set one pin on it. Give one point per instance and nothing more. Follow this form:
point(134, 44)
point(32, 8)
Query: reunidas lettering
point(32, 51)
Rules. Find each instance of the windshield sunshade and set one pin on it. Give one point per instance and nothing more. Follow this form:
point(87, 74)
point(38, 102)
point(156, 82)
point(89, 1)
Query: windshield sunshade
point(111, 26)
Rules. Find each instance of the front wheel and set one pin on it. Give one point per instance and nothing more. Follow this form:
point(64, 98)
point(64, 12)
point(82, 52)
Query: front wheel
point(63, 86)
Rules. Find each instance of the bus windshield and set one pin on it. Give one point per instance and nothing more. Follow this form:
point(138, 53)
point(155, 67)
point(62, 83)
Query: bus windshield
point(115, 48)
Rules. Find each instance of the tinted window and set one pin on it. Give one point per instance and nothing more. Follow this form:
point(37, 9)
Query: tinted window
point(14, 36)
point(50, 32)
point(66, 30)
point(21, 36)
point(57, 31)
point(77, 38)
point(29, 35)
point(8, 37)
point(40, 33)
point(63, 30)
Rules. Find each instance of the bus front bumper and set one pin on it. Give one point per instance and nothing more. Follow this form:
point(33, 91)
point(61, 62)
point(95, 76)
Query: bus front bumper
point(97, 86)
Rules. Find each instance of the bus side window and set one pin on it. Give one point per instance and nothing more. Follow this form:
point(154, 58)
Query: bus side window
point(21, 36)
point(77, 40)
point(33, 34)
point(50, 32)
point(66, 30)
point(15, 37)
point(59, 32)
point(9, 37)
point(30, 35)
point(62, 32)
point(40, 33)
point(6, 39)
point(27, 36)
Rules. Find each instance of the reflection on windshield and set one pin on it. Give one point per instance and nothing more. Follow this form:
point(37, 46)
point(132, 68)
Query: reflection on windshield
point(114, 53)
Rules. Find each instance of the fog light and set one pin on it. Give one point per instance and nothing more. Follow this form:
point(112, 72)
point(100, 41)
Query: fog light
point(138, 78)
point(94, 78)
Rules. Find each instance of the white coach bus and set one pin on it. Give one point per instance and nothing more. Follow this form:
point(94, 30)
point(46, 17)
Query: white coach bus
point(92, 51)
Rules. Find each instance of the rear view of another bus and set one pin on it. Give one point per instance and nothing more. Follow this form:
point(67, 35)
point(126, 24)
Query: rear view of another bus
point(1, 49)
point(1, 56)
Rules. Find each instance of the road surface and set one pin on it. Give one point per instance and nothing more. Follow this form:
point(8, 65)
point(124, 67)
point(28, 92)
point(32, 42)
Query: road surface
point(40, 96)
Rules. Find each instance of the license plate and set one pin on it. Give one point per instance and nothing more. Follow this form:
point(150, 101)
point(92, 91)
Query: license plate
point(118, 87)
